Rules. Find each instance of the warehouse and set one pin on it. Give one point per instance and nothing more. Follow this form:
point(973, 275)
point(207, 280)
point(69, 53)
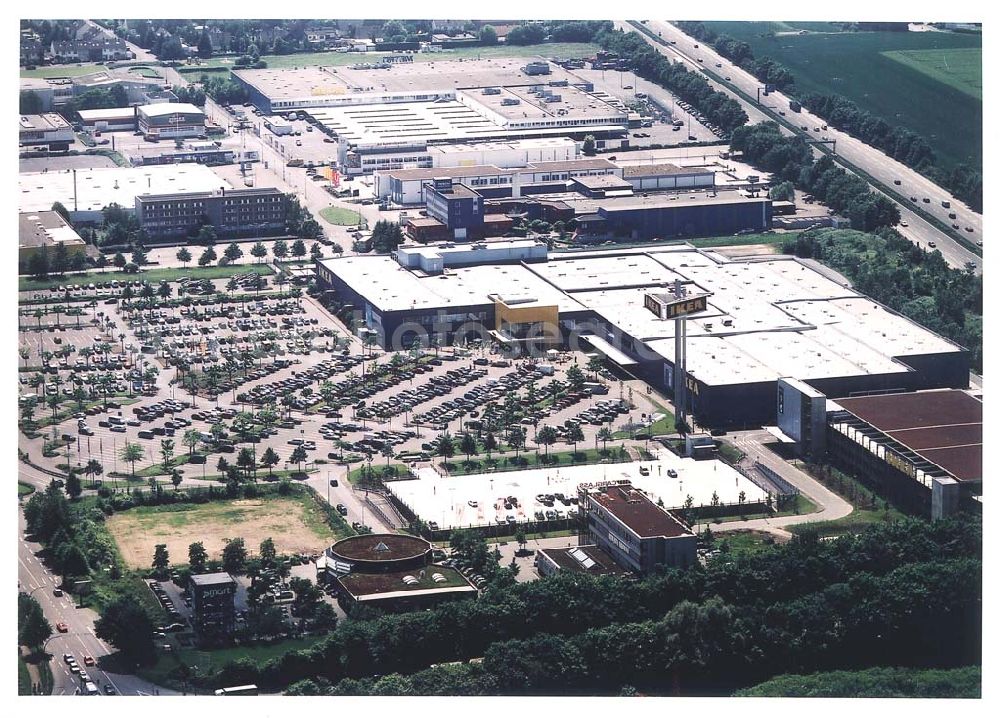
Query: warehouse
point(667, 176)
point(44, 129)
point(512, 153)
point(766, 319)
point(86, 192)
point(46, 229)
point(112, 119)
point(171, 120)
point(922, 450)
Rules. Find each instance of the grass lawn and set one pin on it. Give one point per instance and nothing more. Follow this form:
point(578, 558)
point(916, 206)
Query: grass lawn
point(745, 541)
point(61, 71)
point(864, 514)
point(663, 425)
point(773, 238)
point(153, 276)
point(341, 216)
point(961, 68)
point(866, 68)
point(24, 489)
point(730, 453)
point(210, 660)
point(144, 71)
point(800, 505)
point(295, 522)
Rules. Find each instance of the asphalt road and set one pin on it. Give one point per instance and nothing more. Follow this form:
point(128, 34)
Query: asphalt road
point(34, 578)
point(881, 167)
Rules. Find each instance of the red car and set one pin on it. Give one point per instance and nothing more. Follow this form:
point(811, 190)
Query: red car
point(88, 660)
point(62, 627)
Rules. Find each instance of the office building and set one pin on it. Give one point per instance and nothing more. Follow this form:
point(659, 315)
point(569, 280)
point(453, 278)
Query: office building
point(578, 559)
point(635, 532)
point(171, 120)
point(213, 605)
point(253, 212)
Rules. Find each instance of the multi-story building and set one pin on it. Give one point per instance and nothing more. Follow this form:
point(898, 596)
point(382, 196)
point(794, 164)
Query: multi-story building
point(254, 212)
point(213, 602)
point(96, 48)
point(456, 206)
point(634, 531)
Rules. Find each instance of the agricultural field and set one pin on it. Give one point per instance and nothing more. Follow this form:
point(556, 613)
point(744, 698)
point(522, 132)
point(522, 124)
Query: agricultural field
point(295, 524)
point(942, 105)
point(553, 49)
point(341, 216)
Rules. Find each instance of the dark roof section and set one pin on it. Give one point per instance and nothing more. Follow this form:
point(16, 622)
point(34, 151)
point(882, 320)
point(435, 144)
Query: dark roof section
point(212, 579)
point(634, 509)
point(945, 427)
point(565, 560)
point(366, 584)
point(380, 547)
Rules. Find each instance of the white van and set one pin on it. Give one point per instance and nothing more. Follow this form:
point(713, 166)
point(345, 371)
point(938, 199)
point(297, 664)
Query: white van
point(89, 689)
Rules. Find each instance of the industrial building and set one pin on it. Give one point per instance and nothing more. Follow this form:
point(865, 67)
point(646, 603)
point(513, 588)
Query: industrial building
point(46, 229)
point(392, 572)
point(765, 320)
point(110, 119)
point(47, 129)
point(666, 176)
point(922, 450)
point(253, 212)
point(213, 605)
point(54, 92)
point(634, 531)
point(86, 192)
point(511, 153)
point(171, 120)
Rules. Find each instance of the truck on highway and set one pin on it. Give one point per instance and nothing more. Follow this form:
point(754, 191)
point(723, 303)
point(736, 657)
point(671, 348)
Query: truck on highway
point(795, 106)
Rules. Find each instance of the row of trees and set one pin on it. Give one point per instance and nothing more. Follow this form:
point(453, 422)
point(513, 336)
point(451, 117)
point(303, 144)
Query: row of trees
point(691, 87)
point(790, 159)
point(770, 589)
point(920, 285)
point(899, 143)
point(765, 69)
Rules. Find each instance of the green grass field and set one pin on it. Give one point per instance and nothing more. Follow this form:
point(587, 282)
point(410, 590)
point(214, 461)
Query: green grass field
point(153, 276)
point(24, 489)
point(961, 68)
point(862, 67)
point(144, 71)
point(340, 216)
point(61, 71)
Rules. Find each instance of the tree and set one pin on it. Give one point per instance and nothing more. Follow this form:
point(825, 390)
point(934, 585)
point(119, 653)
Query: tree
point(126, 625)
point(167, 454)
point(32, 627)
point(259, 251)
point(575, 378)
point(191, 439)
point(234, 556)
point(161, 560)
point(446, 446)
point(73, 486)
point(268, 553)
point(30, 103)
point(233, 252)
point(93, 469)
point(487, 35)
point(131, 453)
point(468, 445)
point(515, 438)
point(280, 249)
point(197, 557)
point(298, 456)
point(176, 478)
point(574, 434)
point(204, 45)
point(38, 263)
point(490, 444)
point(207, 257)
point(270, 459)
point(520, 536)
point(546, 437)
point(298, 249)
point(184, 256)
point(589, 145)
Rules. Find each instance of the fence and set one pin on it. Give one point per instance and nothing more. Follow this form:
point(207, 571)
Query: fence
point(782, 487)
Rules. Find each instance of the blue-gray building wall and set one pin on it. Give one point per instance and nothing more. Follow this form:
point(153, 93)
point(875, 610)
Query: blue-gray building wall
point(688, 220)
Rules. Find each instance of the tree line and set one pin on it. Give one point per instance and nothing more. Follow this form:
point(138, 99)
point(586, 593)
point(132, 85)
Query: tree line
point(790, 158)
point(916, 283)
point(899, 143)
point(740, 52)
point(768, 595)
point(874, 683)
point(691, 87)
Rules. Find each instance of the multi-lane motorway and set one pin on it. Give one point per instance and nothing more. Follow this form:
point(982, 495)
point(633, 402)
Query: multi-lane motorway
point(882, 168)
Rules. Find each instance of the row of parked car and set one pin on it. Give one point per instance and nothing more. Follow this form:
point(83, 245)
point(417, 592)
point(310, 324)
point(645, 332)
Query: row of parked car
point(267, 393)
point(407, 399)
point(495, 389)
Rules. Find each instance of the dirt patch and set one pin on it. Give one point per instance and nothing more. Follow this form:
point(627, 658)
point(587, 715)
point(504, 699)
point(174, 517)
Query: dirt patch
point(295, 525)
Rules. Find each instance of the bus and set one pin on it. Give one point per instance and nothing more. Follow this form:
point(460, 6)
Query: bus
point(250, 690)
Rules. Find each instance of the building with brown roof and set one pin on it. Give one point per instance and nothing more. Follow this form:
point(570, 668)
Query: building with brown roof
point(635, 532)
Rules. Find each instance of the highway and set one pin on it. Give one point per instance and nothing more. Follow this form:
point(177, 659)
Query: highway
point(881, 167)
